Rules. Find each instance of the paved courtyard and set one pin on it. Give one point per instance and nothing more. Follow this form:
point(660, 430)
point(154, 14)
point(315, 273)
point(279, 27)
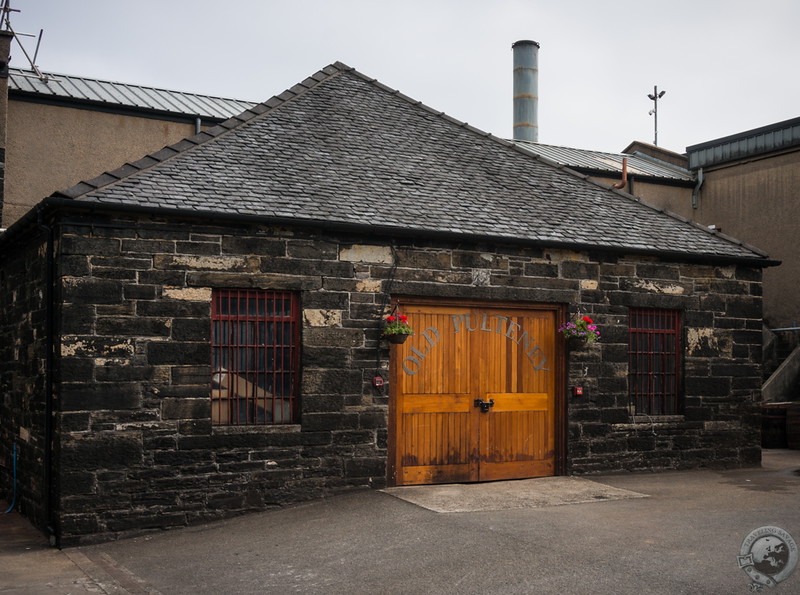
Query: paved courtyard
point(672, 532)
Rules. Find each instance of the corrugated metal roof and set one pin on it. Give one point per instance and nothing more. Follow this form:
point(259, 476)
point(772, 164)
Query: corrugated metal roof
point(597, 161)
point(113, 94)
point(766, 139)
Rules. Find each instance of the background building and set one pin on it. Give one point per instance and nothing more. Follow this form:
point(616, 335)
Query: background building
point(62, 129)
point(743, 186)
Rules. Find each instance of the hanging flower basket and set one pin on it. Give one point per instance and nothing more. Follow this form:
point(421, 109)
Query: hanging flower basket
point(576, 343)
point(579, 332)
point(396, 328)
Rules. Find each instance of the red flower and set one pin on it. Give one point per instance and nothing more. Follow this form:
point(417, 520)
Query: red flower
point(403, 318)
point(587, 320)
point(390, 319)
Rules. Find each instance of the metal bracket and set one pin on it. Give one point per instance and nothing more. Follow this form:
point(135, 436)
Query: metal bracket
point(484, 405)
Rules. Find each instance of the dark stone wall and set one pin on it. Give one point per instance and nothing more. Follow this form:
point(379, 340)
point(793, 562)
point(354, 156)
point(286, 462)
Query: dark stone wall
point(23, 348)
point(137, 448)
point(720, 424)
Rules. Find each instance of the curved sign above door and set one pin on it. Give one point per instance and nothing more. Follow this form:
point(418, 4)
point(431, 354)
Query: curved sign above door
point(471, 322)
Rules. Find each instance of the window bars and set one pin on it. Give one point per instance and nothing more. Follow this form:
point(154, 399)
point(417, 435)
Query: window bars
point(654, 361)
point(255, 355)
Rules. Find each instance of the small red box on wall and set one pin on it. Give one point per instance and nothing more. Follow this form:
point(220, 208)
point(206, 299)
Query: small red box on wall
point(577, 391)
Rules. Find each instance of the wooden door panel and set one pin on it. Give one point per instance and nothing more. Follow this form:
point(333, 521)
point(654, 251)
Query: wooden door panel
point(436, 439)
point(517, 437)
point(445, 402)
point(432, 360)
point(516, 470)
point(520, 401)
point(435, 425)
point(435, 474)
point(521, 359)
point(436, 431)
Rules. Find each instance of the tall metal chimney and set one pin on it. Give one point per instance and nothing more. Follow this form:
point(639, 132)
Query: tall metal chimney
point(526, 90)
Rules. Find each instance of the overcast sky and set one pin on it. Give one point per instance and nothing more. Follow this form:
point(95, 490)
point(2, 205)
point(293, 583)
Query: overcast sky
point(726, 65)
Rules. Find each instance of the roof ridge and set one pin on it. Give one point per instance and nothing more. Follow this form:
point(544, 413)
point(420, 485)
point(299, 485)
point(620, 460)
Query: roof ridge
point(168, 152)
point(418, 103)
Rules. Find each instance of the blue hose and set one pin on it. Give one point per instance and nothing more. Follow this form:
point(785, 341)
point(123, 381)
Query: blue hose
point(14, 467)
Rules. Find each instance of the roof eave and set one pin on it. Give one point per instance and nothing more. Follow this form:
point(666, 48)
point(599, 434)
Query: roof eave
point(112, 108)
point(56, 202)
point(641, 178)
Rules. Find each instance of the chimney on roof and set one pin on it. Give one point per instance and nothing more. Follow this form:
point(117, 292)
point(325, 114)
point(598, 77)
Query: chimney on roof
point(526, 90)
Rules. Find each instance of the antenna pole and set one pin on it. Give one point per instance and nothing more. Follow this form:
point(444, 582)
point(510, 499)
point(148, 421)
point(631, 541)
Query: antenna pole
point(5, 20)
point(38, 43)
point(654, 97)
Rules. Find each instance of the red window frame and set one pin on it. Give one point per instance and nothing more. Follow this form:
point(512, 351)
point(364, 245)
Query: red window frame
point(255, 357)
point(655, 361)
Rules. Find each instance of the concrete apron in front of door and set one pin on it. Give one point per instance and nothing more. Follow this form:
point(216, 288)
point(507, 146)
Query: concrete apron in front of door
point(508, 495)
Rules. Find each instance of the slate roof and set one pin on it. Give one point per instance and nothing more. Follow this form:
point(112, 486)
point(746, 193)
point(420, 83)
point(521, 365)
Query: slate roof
point(599, 162)
point(111, 94)
point(343, 149)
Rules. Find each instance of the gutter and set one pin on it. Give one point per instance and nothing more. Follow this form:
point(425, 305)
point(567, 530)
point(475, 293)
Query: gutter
point(643, 178)
point(138, 112)
point(697, 188)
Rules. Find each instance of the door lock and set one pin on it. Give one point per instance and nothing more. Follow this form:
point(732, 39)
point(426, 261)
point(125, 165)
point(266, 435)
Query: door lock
point(484, 405)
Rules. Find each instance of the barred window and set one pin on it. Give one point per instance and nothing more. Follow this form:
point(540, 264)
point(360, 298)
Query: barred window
point(654, 361)
point(255, 354)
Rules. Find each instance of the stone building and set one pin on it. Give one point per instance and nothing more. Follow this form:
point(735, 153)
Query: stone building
point(197, 334)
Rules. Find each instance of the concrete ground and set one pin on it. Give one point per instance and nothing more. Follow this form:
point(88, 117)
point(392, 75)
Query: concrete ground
point(672, 532)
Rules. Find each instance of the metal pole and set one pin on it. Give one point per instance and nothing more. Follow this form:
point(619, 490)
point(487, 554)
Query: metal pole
point(655, 116)
point(654, 112)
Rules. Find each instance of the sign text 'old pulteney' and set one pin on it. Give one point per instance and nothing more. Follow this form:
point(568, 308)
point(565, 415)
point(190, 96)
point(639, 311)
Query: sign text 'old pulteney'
point(484, 322)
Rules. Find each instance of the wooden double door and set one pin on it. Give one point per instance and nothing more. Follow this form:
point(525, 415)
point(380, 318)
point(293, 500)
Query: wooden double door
point(474, 394)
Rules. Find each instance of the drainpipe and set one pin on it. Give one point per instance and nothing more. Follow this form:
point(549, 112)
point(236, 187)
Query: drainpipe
point(696, 190)
point(198, 125)
point(5, 49)
point(526, 90)
point(49, 393)
point(624, 180)
point(13, 478)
